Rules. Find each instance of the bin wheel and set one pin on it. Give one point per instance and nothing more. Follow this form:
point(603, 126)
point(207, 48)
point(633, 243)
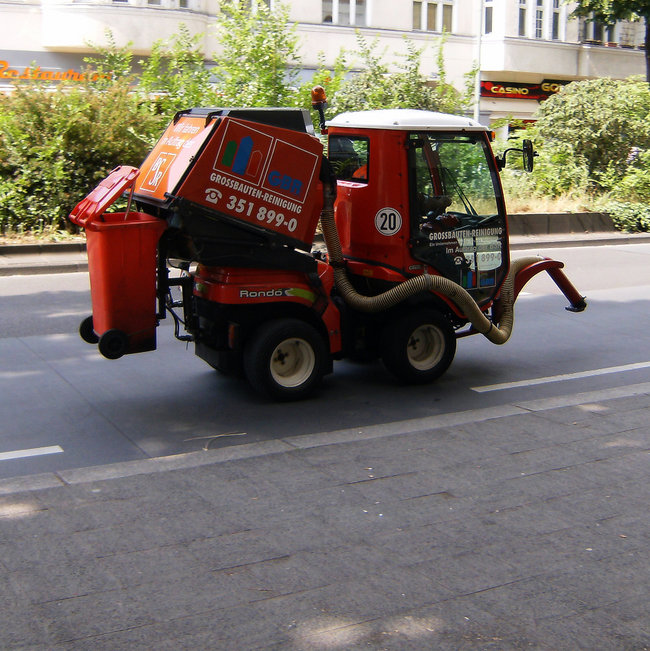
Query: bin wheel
point(86, 331)
point(113, 344)
point(418, 347)
point(285, 359)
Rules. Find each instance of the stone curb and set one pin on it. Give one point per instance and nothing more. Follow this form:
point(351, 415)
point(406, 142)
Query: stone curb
point(306, 441)
point(522, 242)
point(45, 247)
point(11, 265)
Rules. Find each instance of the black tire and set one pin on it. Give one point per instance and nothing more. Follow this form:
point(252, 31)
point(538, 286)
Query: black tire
point(113, 344)
point(418, 347)
point(86, 331)
point(285, 359)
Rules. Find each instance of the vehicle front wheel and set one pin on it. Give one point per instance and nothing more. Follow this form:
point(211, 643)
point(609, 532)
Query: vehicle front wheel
point(418, 347)
point(285, 359)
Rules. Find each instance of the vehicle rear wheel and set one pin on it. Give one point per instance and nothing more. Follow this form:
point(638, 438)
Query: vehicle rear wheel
point(285, 359)
point(418, 347)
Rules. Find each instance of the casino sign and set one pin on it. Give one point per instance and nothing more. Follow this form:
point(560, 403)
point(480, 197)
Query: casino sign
point(513, 90)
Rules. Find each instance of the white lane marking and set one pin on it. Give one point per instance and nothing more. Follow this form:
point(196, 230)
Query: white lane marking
point(32, 452)
point(560, 378)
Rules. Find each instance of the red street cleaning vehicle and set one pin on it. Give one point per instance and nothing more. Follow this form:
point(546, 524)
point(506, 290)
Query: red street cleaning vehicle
point(415, 252)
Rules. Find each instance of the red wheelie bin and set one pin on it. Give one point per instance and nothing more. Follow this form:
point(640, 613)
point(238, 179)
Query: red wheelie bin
point(122, 262)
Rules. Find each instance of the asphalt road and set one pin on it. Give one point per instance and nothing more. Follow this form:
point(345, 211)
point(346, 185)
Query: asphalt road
point(64, 406)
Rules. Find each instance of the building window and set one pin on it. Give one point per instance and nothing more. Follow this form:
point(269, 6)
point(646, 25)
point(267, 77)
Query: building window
point(447, 16)
point(433, 16)
point(487, 25)
point(555, 27)
point(417, 13)
point(522, 18)
point(346, 12)
point(360, 13)
point(597, 32)
point(539, 19)
point(627, 34)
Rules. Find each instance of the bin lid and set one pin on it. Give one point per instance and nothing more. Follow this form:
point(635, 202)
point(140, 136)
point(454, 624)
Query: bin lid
point(105, 194)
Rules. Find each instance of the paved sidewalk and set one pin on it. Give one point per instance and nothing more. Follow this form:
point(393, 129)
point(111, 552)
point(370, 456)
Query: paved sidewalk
point(28, 259)
point(504, 528)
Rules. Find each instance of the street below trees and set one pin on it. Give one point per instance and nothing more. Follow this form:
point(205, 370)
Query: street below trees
point(64, 406)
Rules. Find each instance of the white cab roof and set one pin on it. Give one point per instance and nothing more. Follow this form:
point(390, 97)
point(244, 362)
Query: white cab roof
point(404, 119)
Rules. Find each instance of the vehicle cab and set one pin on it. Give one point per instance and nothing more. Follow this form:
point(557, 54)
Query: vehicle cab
point(419, 192)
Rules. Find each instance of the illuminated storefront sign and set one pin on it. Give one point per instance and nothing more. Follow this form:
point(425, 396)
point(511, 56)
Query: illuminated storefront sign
point(513, 90)
point(36, 73)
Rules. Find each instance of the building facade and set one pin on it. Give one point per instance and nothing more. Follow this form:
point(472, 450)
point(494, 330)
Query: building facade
point(525, 49)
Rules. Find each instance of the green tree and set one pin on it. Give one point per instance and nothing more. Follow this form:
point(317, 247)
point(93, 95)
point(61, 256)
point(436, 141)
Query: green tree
point(175, 74)
point(598, 122)
point(172, 78)
point(258, 62)
point(375, 87)
point(111, 61)
point(609, 11)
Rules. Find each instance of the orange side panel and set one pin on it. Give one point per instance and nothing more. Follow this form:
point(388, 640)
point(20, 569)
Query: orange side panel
point(168, 161)
point(265, 176)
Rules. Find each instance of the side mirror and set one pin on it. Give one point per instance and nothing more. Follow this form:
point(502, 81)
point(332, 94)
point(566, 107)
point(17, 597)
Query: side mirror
point(529, 155)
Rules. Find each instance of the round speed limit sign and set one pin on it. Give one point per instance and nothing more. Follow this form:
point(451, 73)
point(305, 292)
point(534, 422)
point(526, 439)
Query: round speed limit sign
point(388, 221)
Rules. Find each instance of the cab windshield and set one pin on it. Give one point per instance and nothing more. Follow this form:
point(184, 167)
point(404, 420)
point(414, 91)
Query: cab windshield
point(453, 177)
point(457, 221)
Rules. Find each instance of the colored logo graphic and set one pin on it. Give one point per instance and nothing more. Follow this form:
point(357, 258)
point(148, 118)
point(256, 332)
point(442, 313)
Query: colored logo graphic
point(468, 278)
point(243, 152)
point(241, 158)
point(281, 168)
point(291, 171)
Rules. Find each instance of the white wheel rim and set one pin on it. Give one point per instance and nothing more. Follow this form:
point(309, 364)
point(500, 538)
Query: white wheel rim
point(292, 362)
point(426, 347)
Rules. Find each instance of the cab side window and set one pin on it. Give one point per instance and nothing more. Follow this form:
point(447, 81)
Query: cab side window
point(349, 156)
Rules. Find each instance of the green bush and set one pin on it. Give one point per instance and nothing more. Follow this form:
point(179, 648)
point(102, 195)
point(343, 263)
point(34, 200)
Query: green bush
point(590, 130)
point(559, 171)
point(635, 184)
point(629, 217)
point(56, 146)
